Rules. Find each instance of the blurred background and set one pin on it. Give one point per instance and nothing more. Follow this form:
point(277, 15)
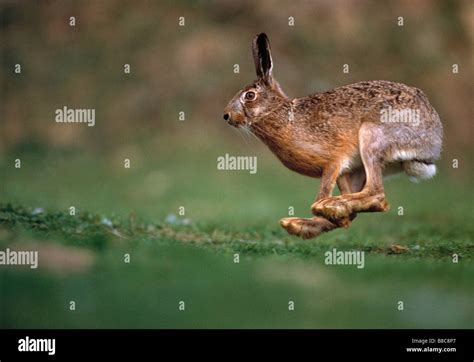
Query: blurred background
point(190, 69)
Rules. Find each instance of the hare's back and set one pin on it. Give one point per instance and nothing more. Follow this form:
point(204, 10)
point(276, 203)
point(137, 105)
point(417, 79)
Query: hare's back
point(377, 101)
point(370, 96)
point(407, 122)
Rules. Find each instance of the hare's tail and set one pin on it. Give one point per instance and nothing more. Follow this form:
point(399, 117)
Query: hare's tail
point(419, 170)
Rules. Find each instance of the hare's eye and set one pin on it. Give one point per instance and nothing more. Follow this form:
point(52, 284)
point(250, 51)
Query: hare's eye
point(250, 96)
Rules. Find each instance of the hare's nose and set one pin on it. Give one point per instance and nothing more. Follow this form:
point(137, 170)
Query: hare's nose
point(226, 116)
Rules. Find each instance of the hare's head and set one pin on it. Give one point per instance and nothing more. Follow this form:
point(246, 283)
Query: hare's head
point(259, 98)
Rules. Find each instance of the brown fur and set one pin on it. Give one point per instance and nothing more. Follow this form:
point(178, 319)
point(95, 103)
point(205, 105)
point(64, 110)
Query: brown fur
point(338, 136)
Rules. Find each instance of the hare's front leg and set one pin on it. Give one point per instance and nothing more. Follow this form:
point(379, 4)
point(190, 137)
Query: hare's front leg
point(308, 228)
point(338, 212)
point(325, 205)
point(372, 197)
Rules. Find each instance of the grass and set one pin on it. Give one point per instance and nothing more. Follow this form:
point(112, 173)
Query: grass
point(191, 258)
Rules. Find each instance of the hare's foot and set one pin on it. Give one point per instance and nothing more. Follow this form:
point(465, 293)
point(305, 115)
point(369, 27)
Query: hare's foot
point(307, 228)
point(341, 209)
point(362, 203)
point(334, 209)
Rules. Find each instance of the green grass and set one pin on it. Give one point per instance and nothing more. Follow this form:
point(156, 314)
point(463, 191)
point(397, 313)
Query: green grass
point(190, 258)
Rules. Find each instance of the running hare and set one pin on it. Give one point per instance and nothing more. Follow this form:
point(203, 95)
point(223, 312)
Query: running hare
point(351, 136)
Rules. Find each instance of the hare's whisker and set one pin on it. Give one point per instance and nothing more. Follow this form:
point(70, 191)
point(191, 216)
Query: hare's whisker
point(249, 131)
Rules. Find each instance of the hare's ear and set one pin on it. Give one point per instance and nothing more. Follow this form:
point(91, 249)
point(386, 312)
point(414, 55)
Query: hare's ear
point(262, 57)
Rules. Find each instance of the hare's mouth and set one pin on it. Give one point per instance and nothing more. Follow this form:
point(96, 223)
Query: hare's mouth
point(236, 120)
point(233, 124)
point(230, 121)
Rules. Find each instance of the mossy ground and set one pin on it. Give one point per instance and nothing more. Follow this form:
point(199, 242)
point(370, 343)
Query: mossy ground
point(191, 258)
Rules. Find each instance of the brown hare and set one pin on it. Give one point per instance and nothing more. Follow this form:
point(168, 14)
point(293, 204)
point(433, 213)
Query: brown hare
point(351, 136)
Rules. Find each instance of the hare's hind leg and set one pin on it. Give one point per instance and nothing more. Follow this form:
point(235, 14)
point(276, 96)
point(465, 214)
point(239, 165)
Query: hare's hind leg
point(372, 197)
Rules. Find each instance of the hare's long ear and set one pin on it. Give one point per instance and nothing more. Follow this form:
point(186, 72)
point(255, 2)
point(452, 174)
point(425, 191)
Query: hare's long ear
point(262, 57)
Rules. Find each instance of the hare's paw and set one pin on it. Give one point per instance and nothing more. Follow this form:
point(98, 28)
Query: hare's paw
point(375, 203)
point(336, 209)
point(294, 225)
point(306, 228)
point(366, 203)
